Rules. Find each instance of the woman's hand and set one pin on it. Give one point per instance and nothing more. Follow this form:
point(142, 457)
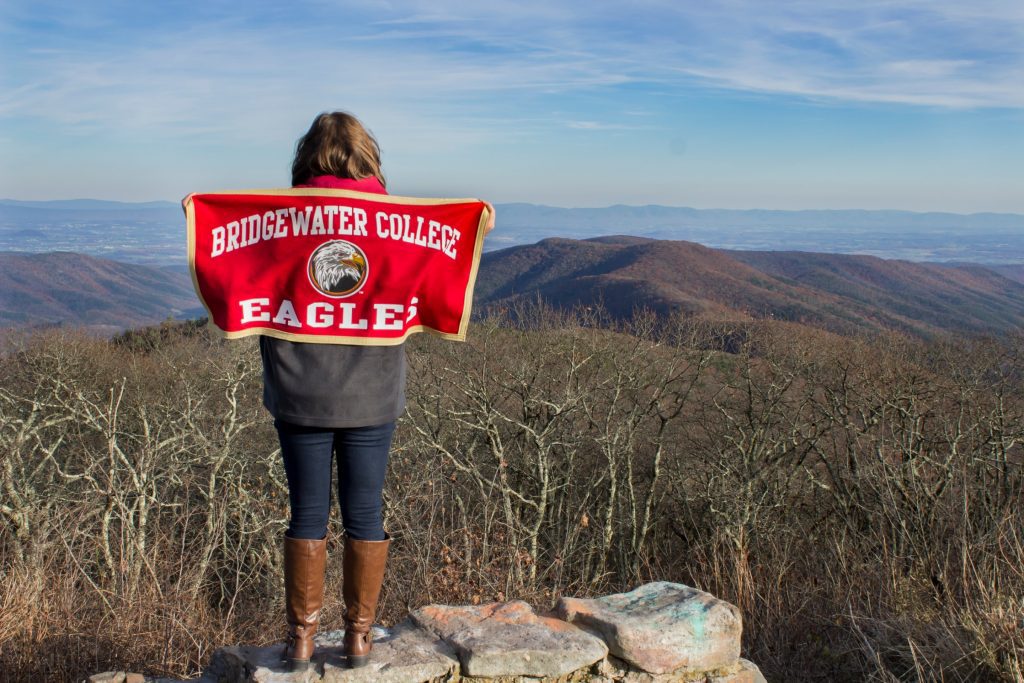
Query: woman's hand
point(490, 220)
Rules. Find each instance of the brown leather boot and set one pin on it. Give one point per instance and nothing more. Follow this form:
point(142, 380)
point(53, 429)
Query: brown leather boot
point(363, 569)
point(304, 562)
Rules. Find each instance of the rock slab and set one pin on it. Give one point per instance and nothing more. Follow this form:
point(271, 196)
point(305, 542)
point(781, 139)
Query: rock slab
point(255, 664)
point(662, 627)
point(405, 654)
point(658, 633)
point(509, 639)
point(614, 670)
point(117, 677)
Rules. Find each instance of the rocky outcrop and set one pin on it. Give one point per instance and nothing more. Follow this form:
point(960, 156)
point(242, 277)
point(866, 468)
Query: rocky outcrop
point(662, 627)
point(509, 639)
point(659, 633)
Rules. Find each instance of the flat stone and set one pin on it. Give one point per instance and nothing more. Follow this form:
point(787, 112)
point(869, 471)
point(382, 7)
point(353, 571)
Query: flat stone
point(404, 654)
point(662, 627)
point(249, 664)
point(614, 670)
point(748, 673)
point(507, 639)
point(134, 678)
point(108, 677)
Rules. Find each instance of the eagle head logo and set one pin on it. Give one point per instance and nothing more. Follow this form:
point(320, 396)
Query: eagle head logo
point(337, 268)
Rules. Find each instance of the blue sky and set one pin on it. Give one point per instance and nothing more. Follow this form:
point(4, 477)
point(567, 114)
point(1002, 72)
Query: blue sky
point(730, 103)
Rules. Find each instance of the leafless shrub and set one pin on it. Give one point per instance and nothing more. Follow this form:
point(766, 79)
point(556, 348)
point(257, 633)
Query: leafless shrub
point(858, 498)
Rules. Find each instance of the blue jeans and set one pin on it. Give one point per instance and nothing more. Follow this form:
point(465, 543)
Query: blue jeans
point(362, 463)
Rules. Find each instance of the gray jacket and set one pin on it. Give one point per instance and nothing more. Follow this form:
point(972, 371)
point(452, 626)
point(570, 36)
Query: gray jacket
point(332, 385)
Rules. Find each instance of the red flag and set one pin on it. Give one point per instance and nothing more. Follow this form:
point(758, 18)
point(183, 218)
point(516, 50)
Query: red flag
point(334, 266)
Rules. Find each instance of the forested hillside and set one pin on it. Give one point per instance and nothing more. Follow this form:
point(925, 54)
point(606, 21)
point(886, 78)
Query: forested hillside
point(58, 288)
point(845, 293)
point(849, 294)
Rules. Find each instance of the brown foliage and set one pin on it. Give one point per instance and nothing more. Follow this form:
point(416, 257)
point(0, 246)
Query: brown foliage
point(859, 499)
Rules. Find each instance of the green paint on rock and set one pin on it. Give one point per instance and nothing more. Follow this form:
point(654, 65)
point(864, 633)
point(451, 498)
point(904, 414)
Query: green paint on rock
point(661, 627)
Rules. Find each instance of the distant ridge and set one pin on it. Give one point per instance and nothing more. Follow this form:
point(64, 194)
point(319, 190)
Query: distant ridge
point(841, 293)
point(656, 215)
point(934, 236)
point(844, 293)
point(87, 205)
point(67, 288)
point(1013, 271)
point(521, 214)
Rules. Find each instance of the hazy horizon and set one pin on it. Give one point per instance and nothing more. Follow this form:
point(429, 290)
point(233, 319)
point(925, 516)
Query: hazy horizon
point(9, 201)
point(152, 232)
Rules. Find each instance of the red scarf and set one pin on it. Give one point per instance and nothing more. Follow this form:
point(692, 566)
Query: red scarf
point(370, 184)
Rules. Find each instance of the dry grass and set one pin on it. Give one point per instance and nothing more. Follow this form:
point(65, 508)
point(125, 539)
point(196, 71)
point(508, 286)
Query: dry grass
point(859, 499)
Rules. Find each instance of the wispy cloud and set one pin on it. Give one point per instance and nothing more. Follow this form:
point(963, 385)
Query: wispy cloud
point(937, 53)
point(236, 75)
point(494, 77)
point(235, 81)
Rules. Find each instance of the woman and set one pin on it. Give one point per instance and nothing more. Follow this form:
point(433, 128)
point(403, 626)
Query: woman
point(330, 398)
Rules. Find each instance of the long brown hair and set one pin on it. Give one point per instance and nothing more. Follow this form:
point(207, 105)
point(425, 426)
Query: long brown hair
point(336, 144)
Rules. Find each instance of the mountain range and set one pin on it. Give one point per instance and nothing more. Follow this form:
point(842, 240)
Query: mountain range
point(843, 293)
point(58, 288)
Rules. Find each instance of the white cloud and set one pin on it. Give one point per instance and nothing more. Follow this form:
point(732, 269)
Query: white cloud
point(935, 53)
point(429, 67)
